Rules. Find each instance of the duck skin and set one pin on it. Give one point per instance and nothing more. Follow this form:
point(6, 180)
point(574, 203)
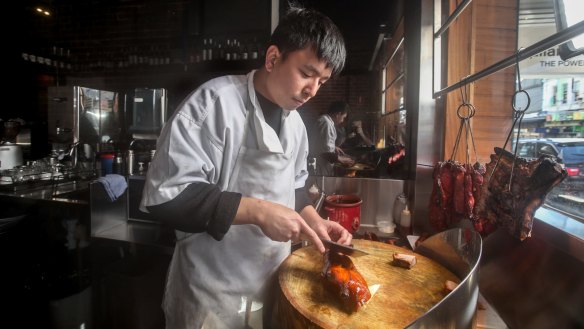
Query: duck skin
point(344, 280)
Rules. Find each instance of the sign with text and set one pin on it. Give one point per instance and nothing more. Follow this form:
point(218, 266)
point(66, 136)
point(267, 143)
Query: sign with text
point(548, 62)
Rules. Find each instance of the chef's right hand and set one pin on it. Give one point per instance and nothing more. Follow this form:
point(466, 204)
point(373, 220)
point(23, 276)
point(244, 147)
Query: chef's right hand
point(278, 222)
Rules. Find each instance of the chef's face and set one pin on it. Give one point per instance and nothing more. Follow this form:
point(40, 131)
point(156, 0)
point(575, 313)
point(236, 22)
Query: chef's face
point(294, 80)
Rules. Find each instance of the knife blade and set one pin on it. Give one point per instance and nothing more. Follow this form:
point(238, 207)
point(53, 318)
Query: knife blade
point(344, 249)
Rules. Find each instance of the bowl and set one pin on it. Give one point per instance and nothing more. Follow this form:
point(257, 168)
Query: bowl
point(386, 226)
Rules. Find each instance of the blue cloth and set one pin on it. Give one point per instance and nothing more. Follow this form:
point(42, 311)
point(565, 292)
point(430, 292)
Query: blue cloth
point(114, 185)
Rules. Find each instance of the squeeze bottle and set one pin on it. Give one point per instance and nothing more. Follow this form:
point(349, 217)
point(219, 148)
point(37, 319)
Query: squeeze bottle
point(406, 222)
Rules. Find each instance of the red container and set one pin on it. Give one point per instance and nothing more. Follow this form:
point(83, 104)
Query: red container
point(345, 210)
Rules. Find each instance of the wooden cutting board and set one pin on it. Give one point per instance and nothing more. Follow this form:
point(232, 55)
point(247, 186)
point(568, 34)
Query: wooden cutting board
point(403, 295)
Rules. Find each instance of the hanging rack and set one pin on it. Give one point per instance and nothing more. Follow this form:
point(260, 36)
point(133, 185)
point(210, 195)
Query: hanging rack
point(536, 48)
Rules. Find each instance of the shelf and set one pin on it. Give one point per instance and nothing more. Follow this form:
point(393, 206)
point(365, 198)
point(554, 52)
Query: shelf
point(202, 67)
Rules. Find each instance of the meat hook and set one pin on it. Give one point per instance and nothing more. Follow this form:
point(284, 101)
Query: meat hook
point(518, 115)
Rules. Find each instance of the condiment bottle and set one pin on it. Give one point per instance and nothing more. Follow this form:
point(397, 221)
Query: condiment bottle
point(406, 222)
point(118, 164)
point(130, 162)
point(398, 206)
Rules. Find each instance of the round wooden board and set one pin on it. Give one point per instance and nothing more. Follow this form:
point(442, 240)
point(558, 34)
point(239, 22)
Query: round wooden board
point(403, 295)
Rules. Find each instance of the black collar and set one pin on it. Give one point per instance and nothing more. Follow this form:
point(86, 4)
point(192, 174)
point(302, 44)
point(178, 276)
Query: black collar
point(272, 112)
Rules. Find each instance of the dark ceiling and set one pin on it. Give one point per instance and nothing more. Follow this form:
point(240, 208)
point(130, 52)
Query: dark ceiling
point(359, 20)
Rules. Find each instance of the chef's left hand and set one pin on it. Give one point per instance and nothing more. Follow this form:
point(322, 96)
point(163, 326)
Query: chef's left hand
point(325, 229)
point(334, 231)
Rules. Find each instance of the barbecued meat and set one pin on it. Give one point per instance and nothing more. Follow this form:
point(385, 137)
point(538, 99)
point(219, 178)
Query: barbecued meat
point(344, 280)
point(478, 177)
point(466, 192)
point(438, 200)
point(514, 207)
point(459, 173)
point(452, 196)
point(446, 182)
point(469, 200)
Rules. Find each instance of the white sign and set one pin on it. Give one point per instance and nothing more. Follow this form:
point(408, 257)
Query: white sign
point(548, 62)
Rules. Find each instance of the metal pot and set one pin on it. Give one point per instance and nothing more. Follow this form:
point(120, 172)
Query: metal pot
point(459, 250)
point(10, 156)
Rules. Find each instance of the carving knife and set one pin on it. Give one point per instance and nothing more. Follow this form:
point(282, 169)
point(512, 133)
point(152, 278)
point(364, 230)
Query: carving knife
point(344, 249)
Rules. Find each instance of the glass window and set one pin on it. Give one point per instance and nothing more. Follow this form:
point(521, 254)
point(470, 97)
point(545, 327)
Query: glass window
point(554, 122)
point(572, 153)
point(547, 150)
point(526, 150)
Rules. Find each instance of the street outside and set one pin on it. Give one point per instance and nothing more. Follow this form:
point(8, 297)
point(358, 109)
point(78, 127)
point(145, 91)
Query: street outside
point(568, 197)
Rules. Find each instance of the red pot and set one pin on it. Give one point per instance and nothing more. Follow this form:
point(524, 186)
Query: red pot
point(345, 210)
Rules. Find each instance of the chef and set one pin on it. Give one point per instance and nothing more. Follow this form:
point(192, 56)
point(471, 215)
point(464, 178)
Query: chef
point(229, 173)
point(323, 146)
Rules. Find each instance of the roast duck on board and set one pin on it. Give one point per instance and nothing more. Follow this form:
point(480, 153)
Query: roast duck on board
point(343, 279)
point(485, 196)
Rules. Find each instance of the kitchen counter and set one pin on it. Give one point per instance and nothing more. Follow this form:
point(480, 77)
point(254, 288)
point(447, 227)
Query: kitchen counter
point(112, 220)
point(71, 192)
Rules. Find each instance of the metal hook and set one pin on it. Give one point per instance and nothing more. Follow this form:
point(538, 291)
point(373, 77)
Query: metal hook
point(465, 112)
point(518, 118)
point(464, 90)
point(464, 123)
point(470, 112)
point(513, 99)
point(517, 68)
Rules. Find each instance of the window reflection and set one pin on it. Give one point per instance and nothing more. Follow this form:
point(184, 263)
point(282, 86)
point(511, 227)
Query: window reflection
point(554, 123)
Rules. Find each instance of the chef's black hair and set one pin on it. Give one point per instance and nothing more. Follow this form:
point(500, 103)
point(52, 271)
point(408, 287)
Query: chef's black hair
point(301, 28)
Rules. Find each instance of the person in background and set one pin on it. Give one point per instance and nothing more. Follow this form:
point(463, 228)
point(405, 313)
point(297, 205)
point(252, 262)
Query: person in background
point(341, 135)
point(356, 138)
point(229, 174)
point(323, 140)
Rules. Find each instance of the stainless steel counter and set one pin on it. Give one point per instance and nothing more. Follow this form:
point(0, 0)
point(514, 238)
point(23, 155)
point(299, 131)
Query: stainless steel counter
point(111, 220)
point(73, 192)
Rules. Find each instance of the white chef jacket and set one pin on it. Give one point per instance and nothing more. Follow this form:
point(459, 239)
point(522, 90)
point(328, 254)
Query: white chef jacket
point(323, 141)
point(218, 135)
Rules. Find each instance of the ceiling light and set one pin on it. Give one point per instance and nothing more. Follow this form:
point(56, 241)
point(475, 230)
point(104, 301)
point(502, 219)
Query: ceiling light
point(43, 11)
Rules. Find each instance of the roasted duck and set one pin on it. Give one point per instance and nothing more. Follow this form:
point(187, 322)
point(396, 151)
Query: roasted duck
point(345, 281)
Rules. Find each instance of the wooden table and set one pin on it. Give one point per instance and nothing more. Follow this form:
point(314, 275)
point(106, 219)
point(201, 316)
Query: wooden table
point(403, 295)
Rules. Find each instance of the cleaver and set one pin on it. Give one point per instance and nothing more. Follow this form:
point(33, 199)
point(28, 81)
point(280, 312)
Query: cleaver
point(343, 249)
